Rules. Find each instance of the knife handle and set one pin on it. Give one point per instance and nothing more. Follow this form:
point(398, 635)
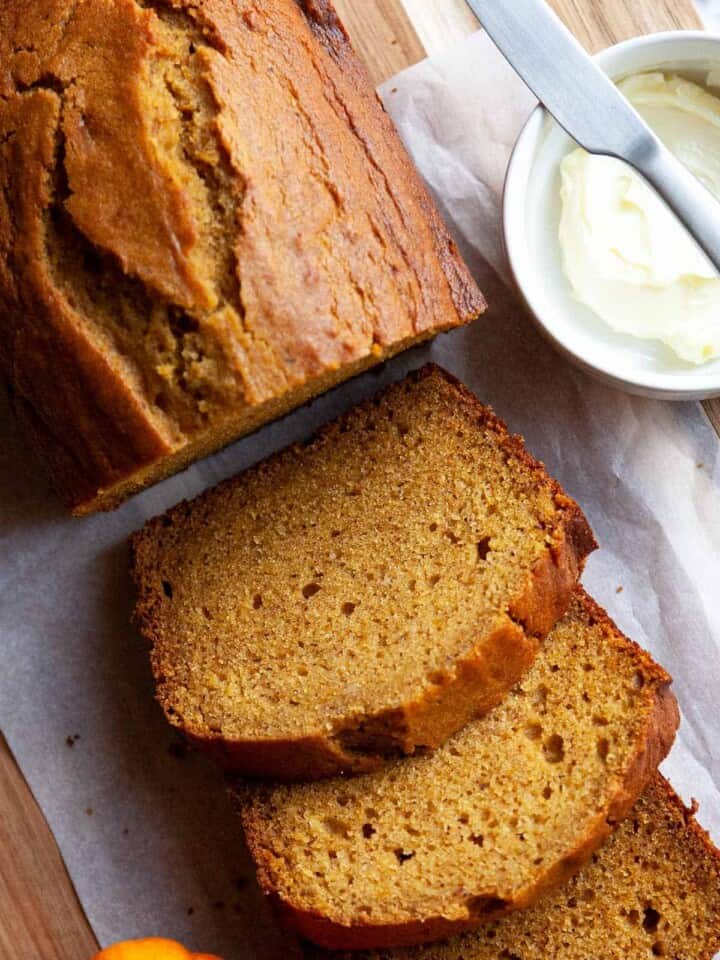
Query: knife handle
point(693, 204)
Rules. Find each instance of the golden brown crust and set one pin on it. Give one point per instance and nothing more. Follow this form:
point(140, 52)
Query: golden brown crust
point(653, 744)
point(159, 296)
point(468, 688)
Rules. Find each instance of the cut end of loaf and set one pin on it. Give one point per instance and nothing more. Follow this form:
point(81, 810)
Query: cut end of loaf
point(179, 265)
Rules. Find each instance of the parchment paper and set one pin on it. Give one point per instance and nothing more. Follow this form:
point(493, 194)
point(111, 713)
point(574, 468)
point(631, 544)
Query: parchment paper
point(146, 830)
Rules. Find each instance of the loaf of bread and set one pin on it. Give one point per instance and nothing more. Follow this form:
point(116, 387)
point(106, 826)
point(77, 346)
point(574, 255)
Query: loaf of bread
point(507, 809)
point(653, 890)
point(362, 595)
point(206, 218)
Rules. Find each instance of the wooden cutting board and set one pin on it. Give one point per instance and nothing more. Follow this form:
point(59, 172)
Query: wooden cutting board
point(40, 917)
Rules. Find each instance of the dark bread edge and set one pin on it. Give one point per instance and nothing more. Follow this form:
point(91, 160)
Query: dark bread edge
point(659, 729)
point(474, 684)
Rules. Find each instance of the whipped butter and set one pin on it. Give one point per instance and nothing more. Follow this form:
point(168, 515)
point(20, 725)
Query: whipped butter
point(624, 253)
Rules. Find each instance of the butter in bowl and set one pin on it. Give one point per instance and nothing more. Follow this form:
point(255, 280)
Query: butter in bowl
point(611, 276)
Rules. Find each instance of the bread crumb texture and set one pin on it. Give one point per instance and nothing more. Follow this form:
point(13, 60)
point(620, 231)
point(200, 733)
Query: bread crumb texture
point(364, 594)
point(509, 807)
point(205, 218)
point(653, 890)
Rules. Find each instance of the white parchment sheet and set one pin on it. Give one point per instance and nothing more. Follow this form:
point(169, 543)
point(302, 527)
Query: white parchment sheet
point(146, 832)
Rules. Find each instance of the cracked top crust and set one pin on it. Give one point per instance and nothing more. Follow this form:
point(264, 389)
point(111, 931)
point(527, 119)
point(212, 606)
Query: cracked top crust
point(203, 209)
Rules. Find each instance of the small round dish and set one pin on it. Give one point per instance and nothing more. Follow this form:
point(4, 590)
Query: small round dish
point(531, 218)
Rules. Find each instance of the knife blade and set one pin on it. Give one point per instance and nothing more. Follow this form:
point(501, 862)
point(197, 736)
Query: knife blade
point(591, 109)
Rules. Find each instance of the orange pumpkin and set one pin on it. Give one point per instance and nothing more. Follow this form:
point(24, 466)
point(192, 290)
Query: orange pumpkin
point(154, 948)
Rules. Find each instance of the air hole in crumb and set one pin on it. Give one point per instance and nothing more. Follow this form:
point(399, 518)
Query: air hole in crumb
point(588, 667)
point(206, 613)
point(533, 731)
point(658, 950)
point(651, 918)
point(483, 548)
point(638, 681)
point(433, 527)
point(540, 697)
point(547, 792)
point(603, 748)
point(403, 429)
point(464, 818)
point(554, 749)
point(167, 589)
point(633, 917)
point(478, 839)
point(434, 580)
point(402, 857)
point(335, 533)
point(335, 826)
point(572, 902)
point(600, 721)
point(368, 830)
point(257, 601)
point(348, 608)
point(310, 589)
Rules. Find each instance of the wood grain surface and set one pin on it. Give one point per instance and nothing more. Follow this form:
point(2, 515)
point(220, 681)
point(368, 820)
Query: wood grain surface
point(40, 917)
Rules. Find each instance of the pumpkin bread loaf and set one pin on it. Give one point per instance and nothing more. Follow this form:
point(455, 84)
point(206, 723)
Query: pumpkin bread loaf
point(507, 809)
point(653, 890)
point(206, 218)
point(360, 596)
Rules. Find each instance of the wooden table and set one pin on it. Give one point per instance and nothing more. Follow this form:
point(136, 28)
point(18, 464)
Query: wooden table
point(40, 916)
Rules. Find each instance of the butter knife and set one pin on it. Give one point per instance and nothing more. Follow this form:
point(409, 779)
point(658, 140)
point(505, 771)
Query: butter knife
point(591, 109)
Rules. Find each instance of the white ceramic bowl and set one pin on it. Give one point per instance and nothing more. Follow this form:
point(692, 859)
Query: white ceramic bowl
point(531, 210)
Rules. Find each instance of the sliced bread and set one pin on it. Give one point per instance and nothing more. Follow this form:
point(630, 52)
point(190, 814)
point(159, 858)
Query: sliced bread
point(653, 890)
point(508, 808)
point(360, 596)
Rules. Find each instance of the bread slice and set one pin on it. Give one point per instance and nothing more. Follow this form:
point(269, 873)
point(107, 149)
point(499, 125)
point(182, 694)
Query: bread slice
point(206, 218)
point(361, 596)
point(653, 890)
point(508, 808)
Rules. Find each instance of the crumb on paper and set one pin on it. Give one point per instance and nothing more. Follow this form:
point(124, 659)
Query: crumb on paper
point(89, 811)
point(700, 465)
point(72, 739)
point(619, 590)
point(190, 911)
